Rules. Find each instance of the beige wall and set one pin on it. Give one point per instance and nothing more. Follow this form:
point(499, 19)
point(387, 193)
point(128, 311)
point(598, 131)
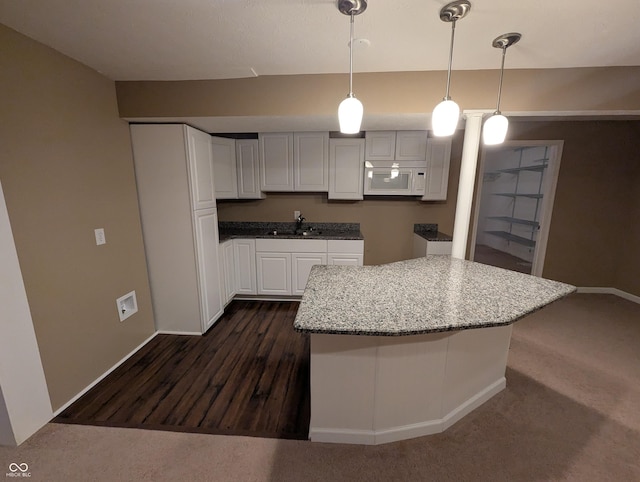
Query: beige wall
point(386, 223)
point(66, 168)
point(554, 90)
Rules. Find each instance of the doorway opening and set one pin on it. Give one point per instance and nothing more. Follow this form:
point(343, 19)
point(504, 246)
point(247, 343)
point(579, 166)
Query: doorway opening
point(514, 202)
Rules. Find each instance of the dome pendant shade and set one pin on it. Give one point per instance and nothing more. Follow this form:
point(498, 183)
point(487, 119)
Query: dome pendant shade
point(350, 115)
point(444, 118)
point(495, 130)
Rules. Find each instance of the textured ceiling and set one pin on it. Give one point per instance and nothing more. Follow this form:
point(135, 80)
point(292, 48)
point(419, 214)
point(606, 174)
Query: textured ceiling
point(216, 39)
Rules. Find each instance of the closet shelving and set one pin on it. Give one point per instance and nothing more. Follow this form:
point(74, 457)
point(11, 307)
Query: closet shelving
point(531, 221)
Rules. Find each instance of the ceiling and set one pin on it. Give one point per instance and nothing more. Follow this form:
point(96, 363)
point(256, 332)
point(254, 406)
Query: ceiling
point(218, 39)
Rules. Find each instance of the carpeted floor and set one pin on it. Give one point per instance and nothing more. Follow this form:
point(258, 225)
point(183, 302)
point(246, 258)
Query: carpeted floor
point(571, 411)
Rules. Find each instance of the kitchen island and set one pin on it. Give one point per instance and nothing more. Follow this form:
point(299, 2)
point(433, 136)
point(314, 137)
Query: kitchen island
point(407, 349)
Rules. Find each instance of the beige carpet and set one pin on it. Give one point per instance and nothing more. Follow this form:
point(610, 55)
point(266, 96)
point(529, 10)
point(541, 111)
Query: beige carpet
point(571, 411)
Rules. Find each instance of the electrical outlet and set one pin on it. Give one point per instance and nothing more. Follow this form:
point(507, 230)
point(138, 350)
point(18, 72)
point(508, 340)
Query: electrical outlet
point(296, 214)
point(100, 239)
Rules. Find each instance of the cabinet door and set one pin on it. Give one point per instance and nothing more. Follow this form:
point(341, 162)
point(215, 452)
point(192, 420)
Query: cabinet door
point(224, 167)
point(346, 168)
point(274, 273)
point(276, 161)
point(229, 270)
point(438, 159)
point(411, 145)
point(245, 261)
point(206, 231)
point(248, 169)
point(200, 169)
point(301, 267)
point(311, 161)
point(340, 259)
point(381, 145)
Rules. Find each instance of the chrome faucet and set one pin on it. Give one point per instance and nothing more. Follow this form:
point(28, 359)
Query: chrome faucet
point(299, 222)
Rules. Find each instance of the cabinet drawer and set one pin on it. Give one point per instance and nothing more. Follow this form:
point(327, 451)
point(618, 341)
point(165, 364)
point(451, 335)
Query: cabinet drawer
point(292, 245)
point(346, 246)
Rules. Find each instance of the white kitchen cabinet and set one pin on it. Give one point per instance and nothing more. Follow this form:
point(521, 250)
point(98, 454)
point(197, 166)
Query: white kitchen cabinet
point(423, 247)
point(411, 145)
point(311, 161)
point(274, 273)
point(346, 168)
point(174, 176)
point(200, 165)
point(245, 263)
point(380, 145)
point(228, 270)
point(224, 167)
point(276, 161)
point(248, 169)
point(301, 264)
point(345, 252)
point(438, 160)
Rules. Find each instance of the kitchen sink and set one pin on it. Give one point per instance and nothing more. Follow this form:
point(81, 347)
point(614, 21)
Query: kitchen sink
point(292, 233)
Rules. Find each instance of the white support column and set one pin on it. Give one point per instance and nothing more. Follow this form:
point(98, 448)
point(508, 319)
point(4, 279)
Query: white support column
point(473, 127)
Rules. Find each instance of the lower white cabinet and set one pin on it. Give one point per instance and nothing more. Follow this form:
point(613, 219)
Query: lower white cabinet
point(227, 271)
point(301, 264)
point(244, 251)
point(422, 247)
point(274, 273)
point(345, 252)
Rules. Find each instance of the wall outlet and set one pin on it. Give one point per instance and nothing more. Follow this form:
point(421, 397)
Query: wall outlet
point(100, 239)
point(127, 305)
point(296, 214)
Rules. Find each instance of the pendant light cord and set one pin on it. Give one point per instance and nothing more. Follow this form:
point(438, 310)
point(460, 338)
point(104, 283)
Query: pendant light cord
point(504, 52)
point(453, 33)
point(351, 56)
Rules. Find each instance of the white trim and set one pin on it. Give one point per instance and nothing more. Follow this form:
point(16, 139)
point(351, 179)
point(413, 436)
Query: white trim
point(170, 332)
point(104, 375)
point(609, 291)
point(394, 434)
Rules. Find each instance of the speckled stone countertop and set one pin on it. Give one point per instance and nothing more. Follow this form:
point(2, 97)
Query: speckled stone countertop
point(423, 295)
point(237, 229)
point(430, 232)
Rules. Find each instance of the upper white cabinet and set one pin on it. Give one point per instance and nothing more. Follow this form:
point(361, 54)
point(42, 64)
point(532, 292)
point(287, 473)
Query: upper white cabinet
point(276, 161)
point(411, 145)
point(224, 166)
point(396, 145)
point(248, 169)
point(311, 161)
point(200, 167)
point(174, 177)
point(380, 145)
point(346, 168)
point(438, 160)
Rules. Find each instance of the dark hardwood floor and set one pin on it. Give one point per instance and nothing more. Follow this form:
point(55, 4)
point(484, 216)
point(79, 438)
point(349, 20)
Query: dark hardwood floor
point(248, 375)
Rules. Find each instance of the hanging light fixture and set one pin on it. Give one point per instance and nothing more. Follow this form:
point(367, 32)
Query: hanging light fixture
point(445, 116)
point(350, 110)
point(495, 127)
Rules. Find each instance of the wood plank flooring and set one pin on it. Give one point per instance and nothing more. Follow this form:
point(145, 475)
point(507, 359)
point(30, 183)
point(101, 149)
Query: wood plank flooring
point(248, 375)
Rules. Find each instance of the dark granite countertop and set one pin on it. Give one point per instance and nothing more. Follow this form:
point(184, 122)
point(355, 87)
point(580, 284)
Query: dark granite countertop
point(423, 295)
point(237, 229)
point(430, 232)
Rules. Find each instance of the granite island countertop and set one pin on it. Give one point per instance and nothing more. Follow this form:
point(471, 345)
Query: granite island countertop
point(258, 229)
point(423, 295)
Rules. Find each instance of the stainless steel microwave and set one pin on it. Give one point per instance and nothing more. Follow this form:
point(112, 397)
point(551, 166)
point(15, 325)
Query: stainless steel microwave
point(395, 178)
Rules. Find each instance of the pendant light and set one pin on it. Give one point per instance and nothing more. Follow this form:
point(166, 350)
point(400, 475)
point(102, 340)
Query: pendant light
point(495, 127)
point(350, 110)
point(446, 114)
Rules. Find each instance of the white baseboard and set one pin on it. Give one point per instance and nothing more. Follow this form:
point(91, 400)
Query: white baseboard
point(609, 291)
point(168, 332)
point(104, 375)
point(429, 427)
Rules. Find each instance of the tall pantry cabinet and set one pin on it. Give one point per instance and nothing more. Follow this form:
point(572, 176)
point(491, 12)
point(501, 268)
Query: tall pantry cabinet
point(174, 175)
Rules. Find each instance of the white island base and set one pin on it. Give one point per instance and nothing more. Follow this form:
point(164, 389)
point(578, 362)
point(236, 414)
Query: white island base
point(378, 389)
